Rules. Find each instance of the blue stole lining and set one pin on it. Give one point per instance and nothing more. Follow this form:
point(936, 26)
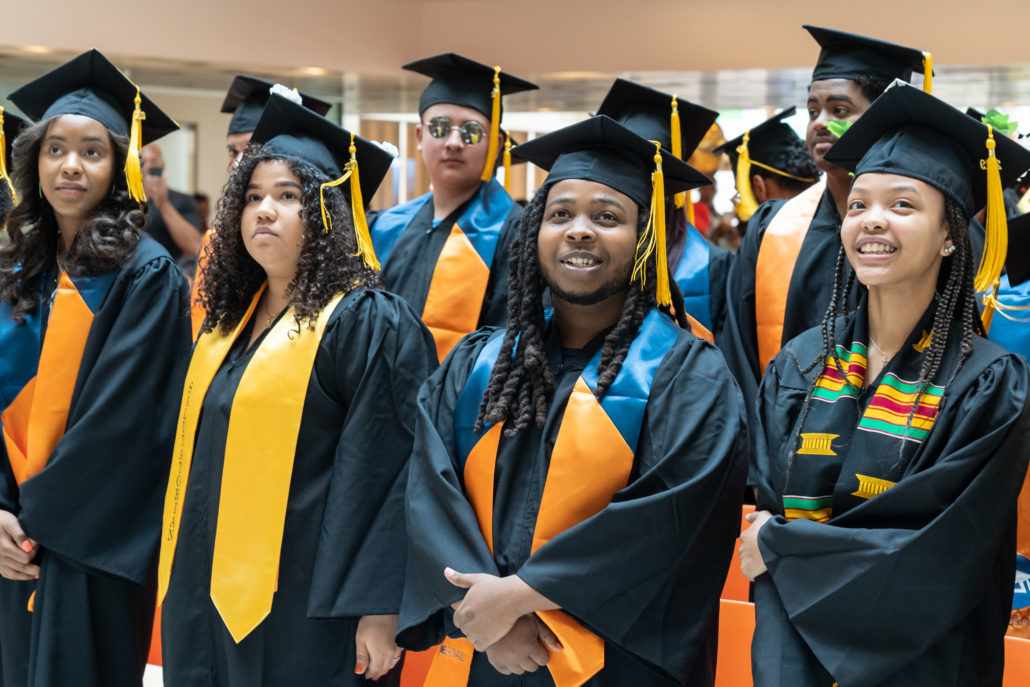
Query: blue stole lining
point(626, 398)
point(691, 276)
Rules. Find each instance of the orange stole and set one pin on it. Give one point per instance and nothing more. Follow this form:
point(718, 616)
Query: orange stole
point(567, 499)
point(699, 330)
point(36, 419)
point(780, 248)
point(456, 292)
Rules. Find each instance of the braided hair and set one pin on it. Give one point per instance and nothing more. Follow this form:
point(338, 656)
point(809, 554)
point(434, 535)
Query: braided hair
point(521, 384)
point(956, 301)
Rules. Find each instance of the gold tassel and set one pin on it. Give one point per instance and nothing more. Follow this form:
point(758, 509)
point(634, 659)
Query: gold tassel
point(747, 204)
point(357, 206)
point(996, 242)
point(990, 300)
point(652, 241)
point(4, 174)
point(690, 207)
point(507, 162)
point(133, 173)
point(928, 72)
point(495, 125)
point(677, 143)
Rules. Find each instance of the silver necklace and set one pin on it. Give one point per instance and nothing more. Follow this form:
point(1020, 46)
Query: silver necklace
point(883, 354)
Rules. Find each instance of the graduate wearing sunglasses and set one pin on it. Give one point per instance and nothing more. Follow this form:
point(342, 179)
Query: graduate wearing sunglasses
point(446, 252)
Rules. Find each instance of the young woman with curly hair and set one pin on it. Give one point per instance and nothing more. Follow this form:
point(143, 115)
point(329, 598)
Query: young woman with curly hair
point(892, 444)
point(94, 341)
point(579, 473)
point(283, 552)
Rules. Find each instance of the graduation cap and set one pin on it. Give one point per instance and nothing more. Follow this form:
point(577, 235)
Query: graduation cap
point(848, 56)
point(457, 80)
point(913, 134)
point(1017, 261)
point(289, 129)
point(602, 150)
point(91, 86)
point(758, 147)
point(679, 125)
point(10, 126)
point(246, 100)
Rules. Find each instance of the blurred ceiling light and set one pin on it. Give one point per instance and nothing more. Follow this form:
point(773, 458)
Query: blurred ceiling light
point(37, 49)
point(312, 71)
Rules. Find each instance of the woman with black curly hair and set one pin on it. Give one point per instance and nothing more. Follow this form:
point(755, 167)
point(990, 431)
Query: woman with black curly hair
point(576, 478)
point(891, 448)
point(283, 546)
point(94, 340)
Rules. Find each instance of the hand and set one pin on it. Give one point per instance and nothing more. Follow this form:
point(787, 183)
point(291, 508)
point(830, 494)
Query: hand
point(488, 611)
point(156, 189)
point(377, 653)
point(16, 550)
point(525, 648)
point(751, 563)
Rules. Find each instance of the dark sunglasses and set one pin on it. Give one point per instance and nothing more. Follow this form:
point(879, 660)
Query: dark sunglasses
point(471, 132)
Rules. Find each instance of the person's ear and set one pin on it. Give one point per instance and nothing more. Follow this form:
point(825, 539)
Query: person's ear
point(758, 188)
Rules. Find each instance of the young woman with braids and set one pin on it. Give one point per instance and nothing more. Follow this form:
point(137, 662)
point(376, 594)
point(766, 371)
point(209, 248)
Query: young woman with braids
point(94, 341)
point(576, 476)
point(282, 554)
point(891, 444)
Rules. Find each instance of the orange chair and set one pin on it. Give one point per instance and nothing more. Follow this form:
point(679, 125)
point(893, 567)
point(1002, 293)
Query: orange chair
point(736, 626)
point(736, 587)
point(1017, 662)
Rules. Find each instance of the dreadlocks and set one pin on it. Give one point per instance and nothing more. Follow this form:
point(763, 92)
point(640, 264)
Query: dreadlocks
point(521, 384)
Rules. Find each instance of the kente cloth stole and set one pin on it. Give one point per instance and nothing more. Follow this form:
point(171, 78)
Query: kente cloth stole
point(691, 275)
point(781, 245)
point(257, 467)
point(841, 442)
point(595, 438)
point(37, 381)
point(462, 270)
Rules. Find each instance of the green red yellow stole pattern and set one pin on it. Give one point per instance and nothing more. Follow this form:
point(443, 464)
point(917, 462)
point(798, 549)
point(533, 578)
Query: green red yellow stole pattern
point(598, 438)
point(781, 245)
point(462, 270)
point(258, 463)
point(39, 372)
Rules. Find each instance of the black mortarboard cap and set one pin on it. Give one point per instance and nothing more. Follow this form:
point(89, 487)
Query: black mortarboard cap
point(458, 80)
point(246, 100)
point(91, 86)
point(849, 56)
point(602, 150)
point(914, 134)
point(291, 130)
point(1017, 262)
point(648, 113)
point(766, 141)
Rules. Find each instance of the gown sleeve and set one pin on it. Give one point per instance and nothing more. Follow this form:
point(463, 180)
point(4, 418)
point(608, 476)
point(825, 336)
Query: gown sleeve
point(442, 527)
point(855, 588)
point(645, 572)
point(99, 500)
point(495, 303)
point(377, 355)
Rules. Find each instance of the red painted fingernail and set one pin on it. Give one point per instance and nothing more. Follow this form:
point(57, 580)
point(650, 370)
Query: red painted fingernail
point(26, 546)
point(37, 577)
point(359, 669)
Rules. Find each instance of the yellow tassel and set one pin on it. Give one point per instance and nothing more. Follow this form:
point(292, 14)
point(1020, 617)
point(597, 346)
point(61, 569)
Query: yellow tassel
point(928, 72)
point(747, 204)
point(677, 142)
point(133, 173)
point(495, 126)
point(652, 241)
point(507, 162)
point(690, 207)
point(990, 300)
point(4, 174)
point(357, 207)
point(996, 242)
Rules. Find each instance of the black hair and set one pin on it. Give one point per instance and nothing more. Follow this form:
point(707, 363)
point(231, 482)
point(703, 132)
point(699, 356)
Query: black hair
point(793, 158)
point(872, 85)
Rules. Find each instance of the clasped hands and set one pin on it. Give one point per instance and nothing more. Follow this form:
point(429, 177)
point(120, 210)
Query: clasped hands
point(498, 617)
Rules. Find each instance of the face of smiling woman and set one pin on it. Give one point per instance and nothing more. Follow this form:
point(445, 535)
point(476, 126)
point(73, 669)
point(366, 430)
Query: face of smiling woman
point(587, 241)
point(895, 233)
point(273, 230)
point(76, 168)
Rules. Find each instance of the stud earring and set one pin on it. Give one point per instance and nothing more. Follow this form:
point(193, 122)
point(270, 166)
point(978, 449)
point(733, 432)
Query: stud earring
point(950, 249)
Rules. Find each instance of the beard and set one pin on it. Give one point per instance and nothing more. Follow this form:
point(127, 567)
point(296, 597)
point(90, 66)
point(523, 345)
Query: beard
point(616, 285)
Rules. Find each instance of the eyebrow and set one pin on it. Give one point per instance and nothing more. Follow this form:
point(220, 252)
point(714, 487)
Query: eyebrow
point(900, 186)
point(87, 139)
point(605, 200)
point(279, 184)
point(834, 97)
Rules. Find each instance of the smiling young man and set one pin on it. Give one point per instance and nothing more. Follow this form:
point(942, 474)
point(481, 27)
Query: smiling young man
point(576, 477)
point(782, 280)
point(446, 252)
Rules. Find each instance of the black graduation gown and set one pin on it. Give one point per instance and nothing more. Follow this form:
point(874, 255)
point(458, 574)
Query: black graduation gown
point(95, 509)
point(914, 585)
point(408, 270)
point(343, 540)
point(811, 287)
point(644, 574)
